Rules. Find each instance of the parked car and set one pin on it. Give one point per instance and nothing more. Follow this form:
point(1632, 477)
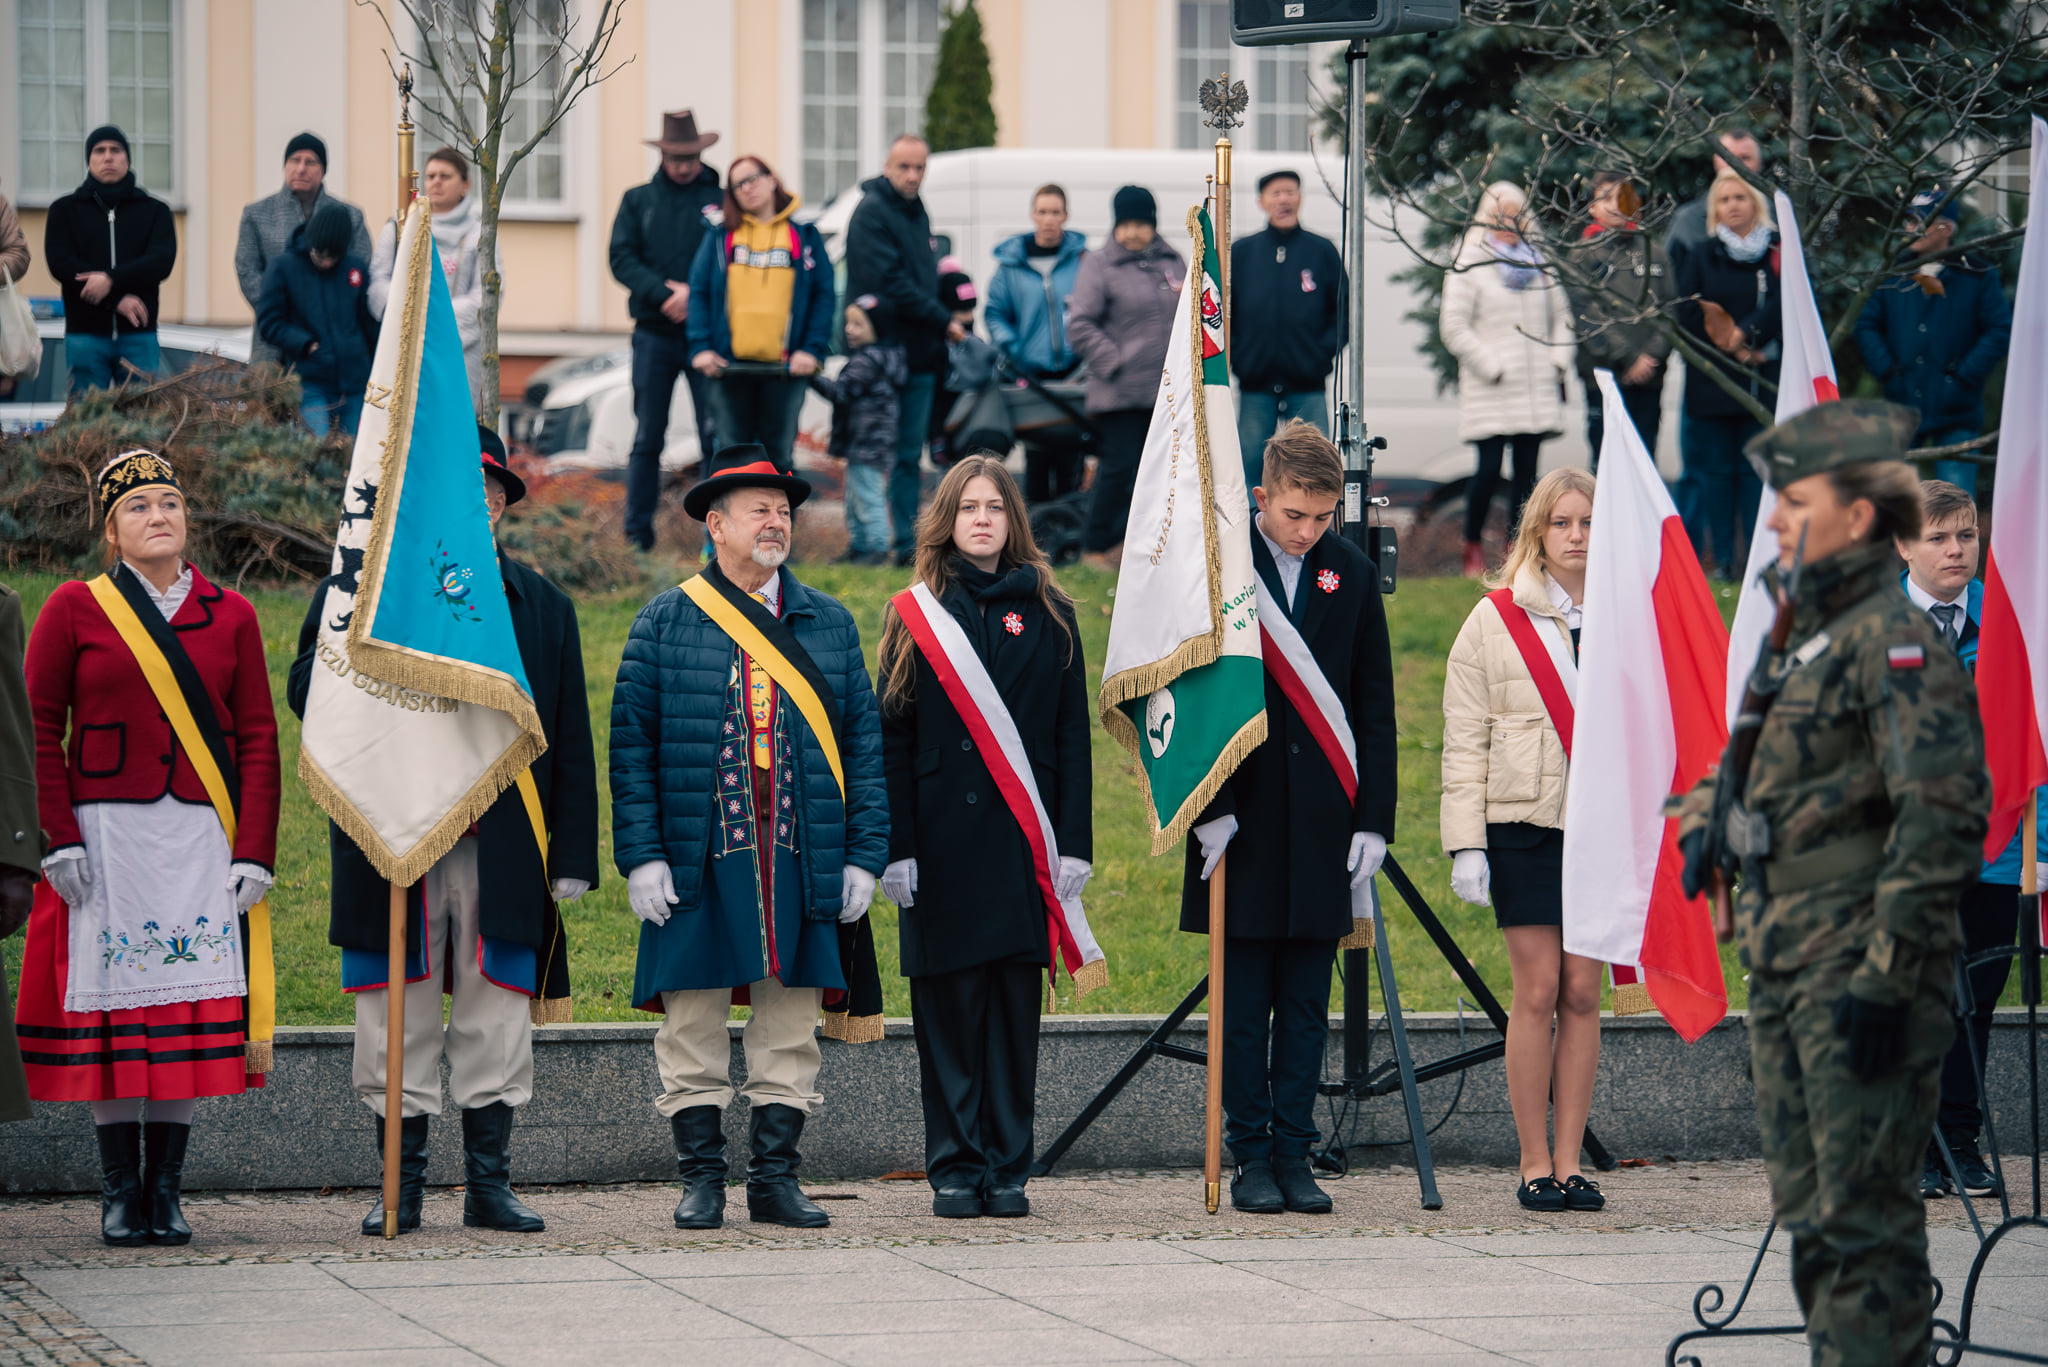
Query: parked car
point(40, 402)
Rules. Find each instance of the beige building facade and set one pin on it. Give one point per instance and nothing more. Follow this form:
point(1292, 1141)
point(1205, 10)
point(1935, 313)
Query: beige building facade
point(210, 91)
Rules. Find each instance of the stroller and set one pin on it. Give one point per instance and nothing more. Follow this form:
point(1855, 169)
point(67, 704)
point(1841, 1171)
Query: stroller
point(1046, 417)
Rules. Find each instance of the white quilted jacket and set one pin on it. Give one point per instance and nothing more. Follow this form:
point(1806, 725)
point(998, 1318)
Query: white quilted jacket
point(1514, 348)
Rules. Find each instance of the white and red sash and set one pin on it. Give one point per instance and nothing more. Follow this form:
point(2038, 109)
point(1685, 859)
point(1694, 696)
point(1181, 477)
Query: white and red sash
point(1548, 658)
point(1293, 666)
point(973, 695)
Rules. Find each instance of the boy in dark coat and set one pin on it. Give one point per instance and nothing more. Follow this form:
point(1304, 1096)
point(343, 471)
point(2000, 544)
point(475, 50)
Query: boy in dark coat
point(316, 311)
point(490, 905)
point(1300, 851)
point(866, 402)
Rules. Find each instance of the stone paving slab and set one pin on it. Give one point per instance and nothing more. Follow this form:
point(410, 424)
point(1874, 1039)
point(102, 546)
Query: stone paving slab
point(1111, 1268)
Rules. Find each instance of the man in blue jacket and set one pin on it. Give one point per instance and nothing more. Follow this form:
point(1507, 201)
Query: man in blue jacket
point(750, 817)
point(1026, 314)
point(1934, 331)
point(315, 309)
point(1941, 579)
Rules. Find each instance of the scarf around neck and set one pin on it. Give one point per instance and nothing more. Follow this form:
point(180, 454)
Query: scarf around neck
point(1749, 247)
point(1519, 264)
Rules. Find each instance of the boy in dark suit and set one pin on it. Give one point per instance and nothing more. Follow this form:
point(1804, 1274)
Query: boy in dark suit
point(1307, 827)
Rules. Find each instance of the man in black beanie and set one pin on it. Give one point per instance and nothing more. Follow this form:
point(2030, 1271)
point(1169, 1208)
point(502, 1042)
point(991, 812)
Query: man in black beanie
point(268, 224)
point(110, 244)
point(315, 312)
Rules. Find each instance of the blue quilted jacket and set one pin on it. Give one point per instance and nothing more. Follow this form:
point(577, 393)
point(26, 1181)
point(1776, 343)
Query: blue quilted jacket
point(667, 707)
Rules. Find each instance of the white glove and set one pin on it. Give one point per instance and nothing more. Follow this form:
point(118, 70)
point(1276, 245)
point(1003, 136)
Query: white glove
point(1471, 879)
point(1214, 835)
point(651, 891)
point(899, 882)
point(1368, 852)
point(248, 882)
point(857, 887)
point(69, 875)
point(1071, 878)
point(569, 889)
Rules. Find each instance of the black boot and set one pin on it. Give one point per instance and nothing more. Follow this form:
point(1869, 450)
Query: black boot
point(124, 1214)
point(773, 1197)
point(1253, 1190)
point(700, 1161)
point(412, 1176)
point(164, 1146)
point(487, 1200)
point(1297, 1183)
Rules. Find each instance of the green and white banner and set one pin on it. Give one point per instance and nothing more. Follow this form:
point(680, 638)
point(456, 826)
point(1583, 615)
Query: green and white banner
point(1183, 684)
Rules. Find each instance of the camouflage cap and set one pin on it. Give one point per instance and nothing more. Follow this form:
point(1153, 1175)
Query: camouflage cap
point(1845, 432)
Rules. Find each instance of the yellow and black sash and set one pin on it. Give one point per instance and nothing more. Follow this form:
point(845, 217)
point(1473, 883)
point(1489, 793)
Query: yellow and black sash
point(770, 643)
point(179, 690)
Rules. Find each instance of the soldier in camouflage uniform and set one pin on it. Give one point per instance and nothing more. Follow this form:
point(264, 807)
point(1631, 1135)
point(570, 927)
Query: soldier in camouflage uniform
point(1857, 830)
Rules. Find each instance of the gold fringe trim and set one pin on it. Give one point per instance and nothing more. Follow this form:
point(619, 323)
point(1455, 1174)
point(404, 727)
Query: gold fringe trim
point(1360, 936)
point(1090, 976)
point(852, 1029)
point(407, 869)
point(258, 1056)
point(1248, 738)
point(1633, 999)
point(1213, 553)
point(551, 1010)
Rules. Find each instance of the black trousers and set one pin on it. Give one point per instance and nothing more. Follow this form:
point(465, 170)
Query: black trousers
point(1276, 1025)
point(1645, 405)
point(1051, 469)
point(1990, 914)
point(977, 1060)
point(1486, 480)
point(1119, 445)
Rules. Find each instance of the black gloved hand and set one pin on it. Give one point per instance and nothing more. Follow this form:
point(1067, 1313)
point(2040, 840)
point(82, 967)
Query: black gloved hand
point(1696, 875)
point(1876, 1036)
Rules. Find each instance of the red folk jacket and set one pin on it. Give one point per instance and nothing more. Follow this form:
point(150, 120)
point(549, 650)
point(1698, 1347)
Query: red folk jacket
point(82, 677)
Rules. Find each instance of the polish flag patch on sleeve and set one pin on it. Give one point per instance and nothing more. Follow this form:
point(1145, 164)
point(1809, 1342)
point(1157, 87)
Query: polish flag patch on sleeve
point(1906, 657)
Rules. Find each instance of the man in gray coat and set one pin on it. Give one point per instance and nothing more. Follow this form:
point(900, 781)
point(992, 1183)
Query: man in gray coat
point(268, 224)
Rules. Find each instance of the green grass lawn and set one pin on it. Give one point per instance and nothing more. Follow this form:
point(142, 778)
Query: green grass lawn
point(1133, 900)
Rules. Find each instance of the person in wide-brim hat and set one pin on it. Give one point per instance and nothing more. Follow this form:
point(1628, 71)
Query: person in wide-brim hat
point(679, 135)
point(498, 466)
point(746, 466)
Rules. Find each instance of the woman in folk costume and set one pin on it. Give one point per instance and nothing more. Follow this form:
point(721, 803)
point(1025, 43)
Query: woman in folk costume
point(148, 955)
point(1507, 728)
point(985, 726)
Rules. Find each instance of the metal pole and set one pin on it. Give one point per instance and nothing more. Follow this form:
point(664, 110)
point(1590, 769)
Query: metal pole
point(407, 181)
point(394, 1057)
point(1212, 1130)
point(1351, 412)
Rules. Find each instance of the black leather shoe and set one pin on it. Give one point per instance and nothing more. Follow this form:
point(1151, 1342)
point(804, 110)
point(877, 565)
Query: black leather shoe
point(1933, 1178)
point(1581, 1193)
point(163, 1147)
point(957, 1203)
point(487, 1199)
point(1006, 1203)
point(1541, 1193)
point(1298, 1189)
point(1978, 1179)
point(1253, 1190)
point(700, 1161)
point(412, 1177)
point(773, 1197)
point(124, 1214)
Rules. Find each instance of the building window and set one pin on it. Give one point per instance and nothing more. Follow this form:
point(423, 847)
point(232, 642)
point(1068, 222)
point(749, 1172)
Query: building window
point(867, 69)
point(536, 57)
point(1276, 78)
point(84, 63)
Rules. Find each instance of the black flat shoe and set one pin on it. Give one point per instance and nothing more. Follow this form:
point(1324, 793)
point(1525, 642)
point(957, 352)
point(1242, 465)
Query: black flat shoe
point(1933, 1180)
point(1253, 1189)
point(956, 1203)
point(1541, 1193)
point(1581, 1194)
point(1006, 1203)
point(1297, 1183)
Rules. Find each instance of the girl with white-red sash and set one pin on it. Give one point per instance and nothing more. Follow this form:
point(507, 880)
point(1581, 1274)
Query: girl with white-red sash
point(970, 881)
point(135, 977)
point(1507, 745)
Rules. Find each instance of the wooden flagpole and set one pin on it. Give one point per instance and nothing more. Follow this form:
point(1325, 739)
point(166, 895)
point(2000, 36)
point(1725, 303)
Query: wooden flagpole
point(394, 1058)
point(1212, 1137)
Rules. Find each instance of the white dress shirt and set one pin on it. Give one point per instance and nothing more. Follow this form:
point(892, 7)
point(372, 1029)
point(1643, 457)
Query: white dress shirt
point(1288, 565)
point(1927, 603)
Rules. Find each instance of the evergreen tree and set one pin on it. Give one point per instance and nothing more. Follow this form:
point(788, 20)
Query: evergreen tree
point(958, 112)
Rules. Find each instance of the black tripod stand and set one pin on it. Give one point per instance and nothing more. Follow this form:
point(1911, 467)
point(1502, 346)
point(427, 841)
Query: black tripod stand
point(1359, 1081)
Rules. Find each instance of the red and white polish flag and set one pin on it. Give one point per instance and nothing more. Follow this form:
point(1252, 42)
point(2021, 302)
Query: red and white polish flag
point(1652, 667)
point(1806, 376)
point(2012, 651)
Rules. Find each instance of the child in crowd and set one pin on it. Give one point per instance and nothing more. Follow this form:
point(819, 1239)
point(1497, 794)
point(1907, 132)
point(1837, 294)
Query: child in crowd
point(866, 408)
point(315, 309)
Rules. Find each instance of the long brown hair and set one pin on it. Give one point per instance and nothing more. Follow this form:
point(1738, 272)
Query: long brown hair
point(935, 551)
point(733, 211)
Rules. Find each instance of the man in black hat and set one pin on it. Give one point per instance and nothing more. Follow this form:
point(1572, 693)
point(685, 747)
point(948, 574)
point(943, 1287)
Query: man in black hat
point(110, 244)
point(750, 818)
point(485, 918)
point(654, 241)
point(268, 224)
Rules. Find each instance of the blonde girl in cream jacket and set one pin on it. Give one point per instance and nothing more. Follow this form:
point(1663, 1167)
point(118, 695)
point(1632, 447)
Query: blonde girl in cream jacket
point(1505, 773)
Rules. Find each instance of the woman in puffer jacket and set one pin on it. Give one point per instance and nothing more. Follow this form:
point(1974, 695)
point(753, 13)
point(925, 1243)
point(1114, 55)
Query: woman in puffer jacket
point(1505, 769)
point(1509, 324)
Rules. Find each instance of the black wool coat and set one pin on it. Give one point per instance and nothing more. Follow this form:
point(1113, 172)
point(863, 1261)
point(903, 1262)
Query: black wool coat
point(978, 899)
point(1285, 875)
point(514, 896)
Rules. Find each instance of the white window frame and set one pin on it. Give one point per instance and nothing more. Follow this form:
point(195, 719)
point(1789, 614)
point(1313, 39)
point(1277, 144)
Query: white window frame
point(560, 209)
point(96, 105)
point(1243, 65)
point(870, 99)
point(867, 82)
